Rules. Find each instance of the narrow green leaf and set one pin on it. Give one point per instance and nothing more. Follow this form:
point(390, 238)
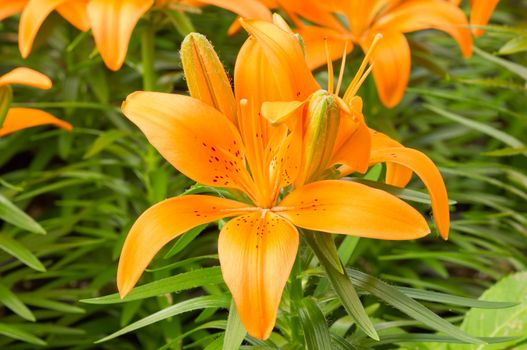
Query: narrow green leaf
point(20, 252)
point(6, 97)
point(103, 141)
point(436, 297)
point(51, 304)
point(314, 324)
point(514, 45)
point(506, 152)
point(183, 281)
point(327, 248)
point(184, 240)
point(430, 338)
point(16, 333)
point(11, 301)
point(343, 287)
point(235, 332)
point(481, 127)
point(13, 215)
point(412, 308)
point(210, 301)
point(511, 66)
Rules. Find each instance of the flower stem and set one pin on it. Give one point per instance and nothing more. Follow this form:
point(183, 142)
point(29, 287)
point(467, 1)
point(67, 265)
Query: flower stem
point(147, 55)
point(295, 295)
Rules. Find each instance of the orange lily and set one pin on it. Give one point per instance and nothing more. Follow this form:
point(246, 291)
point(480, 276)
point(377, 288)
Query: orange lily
point(23, 118)
point(391, 18)
point(73, 12)
point(219, 138)
point(112, 21)
point(480, 13)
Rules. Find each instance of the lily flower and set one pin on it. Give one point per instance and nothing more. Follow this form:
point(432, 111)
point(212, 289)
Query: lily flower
point(480, 13)
point(23, 118)
point(112, 21)
point(392, 19)
point(219, 138)
point(74, 11)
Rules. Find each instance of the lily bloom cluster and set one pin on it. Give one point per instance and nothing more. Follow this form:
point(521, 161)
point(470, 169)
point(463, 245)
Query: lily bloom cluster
point(391, 18)
point(111, 21)
point(278, 143)
point(14, 119)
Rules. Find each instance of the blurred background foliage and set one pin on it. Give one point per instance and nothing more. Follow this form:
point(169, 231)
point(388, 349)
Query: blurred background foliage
point(67, 201)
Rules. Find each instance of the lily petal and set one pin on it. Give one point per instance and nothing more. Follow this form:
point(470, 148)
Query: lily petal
point(284, 53)
point(480, 13)
point(315, 45)
point(396, 174)
point(353, 209)
point(26, 76)
point(75, 12)
point(194, 137)
point(429, 174)
point(256, 254)
point(34, 14)
point(23, 118)
point(278, 112)
point(433, 14)
point(9, 8)
point(251, 9)
point(112, 23)
point(162, 223)
point(391, 67)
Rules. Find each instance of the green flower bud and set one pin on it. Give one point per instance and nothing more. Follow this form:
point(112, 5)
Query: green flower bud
point(320, 131)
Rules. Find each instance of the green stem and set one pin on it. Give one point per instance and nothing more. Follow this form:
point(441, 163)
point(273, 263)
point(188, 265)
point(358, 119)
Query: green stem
point(147, 54)
point(295, 296)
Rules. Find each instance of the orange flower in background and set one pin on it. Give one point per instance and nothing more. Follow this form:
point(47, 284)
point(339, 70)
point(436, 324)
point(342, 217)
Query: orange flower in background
point(219, 138)
point(391, 18)
point(111, 21)
point(23, 118)
point(480, 13)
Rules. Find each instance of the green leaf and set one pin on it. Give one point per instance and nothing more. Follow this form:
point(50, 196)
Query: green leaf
point(16, 333)
point(103, 141)
point(511, 66)
point(502, 322)
point(183, 281)
point(506, 152)
point(514, 45)
point(210, 301)
point(20, 252)
point(481, 127)
point(343, 287)
point(184, 240)
point(11, 301)
point(235, 332)
point(6, 97)
point(454, 299)
point(412, 308)
point(13, 215)
point(314, 324)
point(429, 338)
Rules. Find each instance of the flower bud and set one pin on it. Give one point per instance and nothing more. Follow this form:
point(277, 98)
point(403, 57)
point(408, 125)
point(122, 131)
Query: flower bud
point(205, 75)
point(320, 131)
